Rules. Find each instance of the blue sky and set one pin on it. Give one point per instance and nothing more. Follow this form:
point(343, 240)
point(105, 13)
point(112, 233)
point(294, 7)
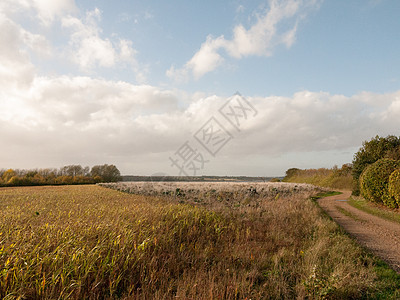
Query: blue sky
point(128, 82)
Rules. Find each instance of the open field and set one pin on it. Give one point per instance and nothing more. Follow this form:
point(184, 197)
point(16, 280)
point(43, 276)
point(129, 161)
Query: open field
point(231, 242)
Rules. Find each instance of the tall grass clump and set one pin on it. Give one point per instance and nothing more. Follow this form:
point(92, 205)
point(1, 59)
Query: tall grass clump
point(88, 242)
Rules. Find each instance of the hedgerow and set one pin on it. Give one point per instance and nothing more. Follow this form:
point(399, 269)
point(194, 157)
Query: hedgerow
point(374, 182)
point(394, 186)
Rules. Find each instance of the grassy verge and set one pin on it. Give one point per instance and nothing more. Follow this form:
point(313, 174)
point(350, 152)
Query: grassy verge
point(88, 242)
point(372, 209)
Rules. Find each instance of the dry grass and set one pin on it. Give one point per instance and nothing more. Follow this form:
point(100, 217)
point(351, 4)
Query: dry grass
point(330, 178)
point(76, 242)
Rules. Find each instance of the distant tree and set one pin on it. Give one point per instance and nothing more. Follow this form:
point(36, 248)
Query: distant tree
point(291, 172)
point(107, 173)
point(7, 175)
point(86, 171)
point(370, 152)
point(31, 173)
point(346, 169)
point(72, 170)
point(15, 181)
point(48, 172)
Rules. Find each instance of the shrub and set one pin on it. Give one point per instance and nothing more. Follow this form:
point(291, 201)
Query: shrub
point(15, 180)
point(394, 186)
point(374, 182)
point(370, 152)
point(292, 172)
point(275, 180)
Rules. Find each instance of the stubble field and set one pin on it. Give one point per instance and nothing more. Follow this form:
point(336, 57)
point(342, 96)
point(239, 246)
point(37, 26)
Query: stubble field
point(185, 241)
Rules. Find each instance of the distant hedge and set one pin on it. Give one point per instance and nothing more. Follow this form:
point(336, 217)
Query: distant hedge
point(374, 182)
point(73, 174)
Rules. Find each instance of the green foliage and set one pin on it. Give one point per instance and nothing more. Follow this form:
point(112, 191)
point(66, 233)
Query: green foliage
point(394, 186)
point(370, 152)
point(374, 182)
point(292, 172)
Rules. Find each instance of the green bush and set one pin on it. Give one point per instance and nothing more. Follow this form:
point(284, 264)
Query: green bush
point(374, 182)
point(370, 152)
point(394, 186)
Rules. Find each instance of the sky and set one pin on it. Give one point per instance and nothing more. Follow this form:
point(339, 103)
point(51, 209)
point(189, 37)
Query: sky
point(196, 87)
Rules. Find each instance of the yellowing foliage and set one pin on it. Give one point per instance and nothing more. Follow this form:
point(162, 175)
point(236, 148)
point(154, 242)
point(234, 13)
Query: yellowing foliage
point(394, 186)
point(374, 182)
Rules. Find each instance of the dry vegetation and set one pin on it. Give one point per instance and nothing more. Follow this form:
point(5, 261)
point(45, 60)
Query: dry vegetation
point(334, 178)
point(214, 242)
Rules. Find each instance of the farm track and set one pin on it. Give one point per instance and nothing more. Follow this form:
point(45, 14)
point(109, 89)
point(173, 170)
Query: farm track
point(382, 237)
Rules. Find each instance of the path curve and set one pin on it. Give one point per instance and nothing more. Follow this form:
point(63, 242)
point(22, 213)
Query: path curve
point(382, 237)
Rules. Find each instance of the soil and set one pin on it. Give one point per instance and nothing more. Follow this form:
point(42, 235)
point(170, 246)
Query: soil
point(380, 236)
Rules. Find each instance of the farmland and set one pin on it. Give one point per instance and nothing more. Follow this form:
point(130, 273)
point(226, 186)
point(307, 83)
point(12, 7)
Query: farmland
point(175, 240)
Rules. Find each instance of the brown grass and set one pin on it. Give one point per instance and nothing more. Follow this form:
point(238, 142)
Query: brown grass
point(80, 242)
point(329, 178)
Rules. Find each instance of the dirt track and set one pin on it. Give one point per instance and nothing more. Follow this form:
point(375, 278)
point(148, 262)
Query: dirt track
point(382, 237)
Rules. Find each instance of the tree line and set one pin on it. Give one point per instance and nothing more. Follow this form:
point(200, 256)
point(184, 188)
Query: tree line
point(72, 174)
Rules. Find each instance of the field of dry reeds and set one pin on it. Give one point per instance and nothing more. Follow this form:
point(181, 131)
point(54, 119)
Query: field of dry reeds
point(185, 241)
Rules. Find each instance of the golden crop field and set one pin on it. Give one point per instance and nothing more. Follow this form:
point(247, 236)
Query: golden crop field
point(90, 242)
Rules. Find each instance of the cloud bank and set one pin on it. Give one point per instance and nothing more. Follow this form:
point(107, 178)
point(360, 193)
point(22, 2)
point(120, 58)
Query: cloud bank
point(79, 119)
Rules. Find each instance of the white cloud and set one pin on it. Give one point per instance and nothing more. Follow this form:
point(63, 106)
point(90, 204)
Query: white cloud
point(15, 66)
point(49, 9)
point(46, 11)
point(277, 26)
point(37, 43)
point(88, 49)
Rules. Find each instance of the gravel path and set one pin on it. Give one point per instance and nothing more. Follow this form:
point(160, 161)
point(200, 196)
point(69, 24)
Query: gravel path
point(382, 237)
